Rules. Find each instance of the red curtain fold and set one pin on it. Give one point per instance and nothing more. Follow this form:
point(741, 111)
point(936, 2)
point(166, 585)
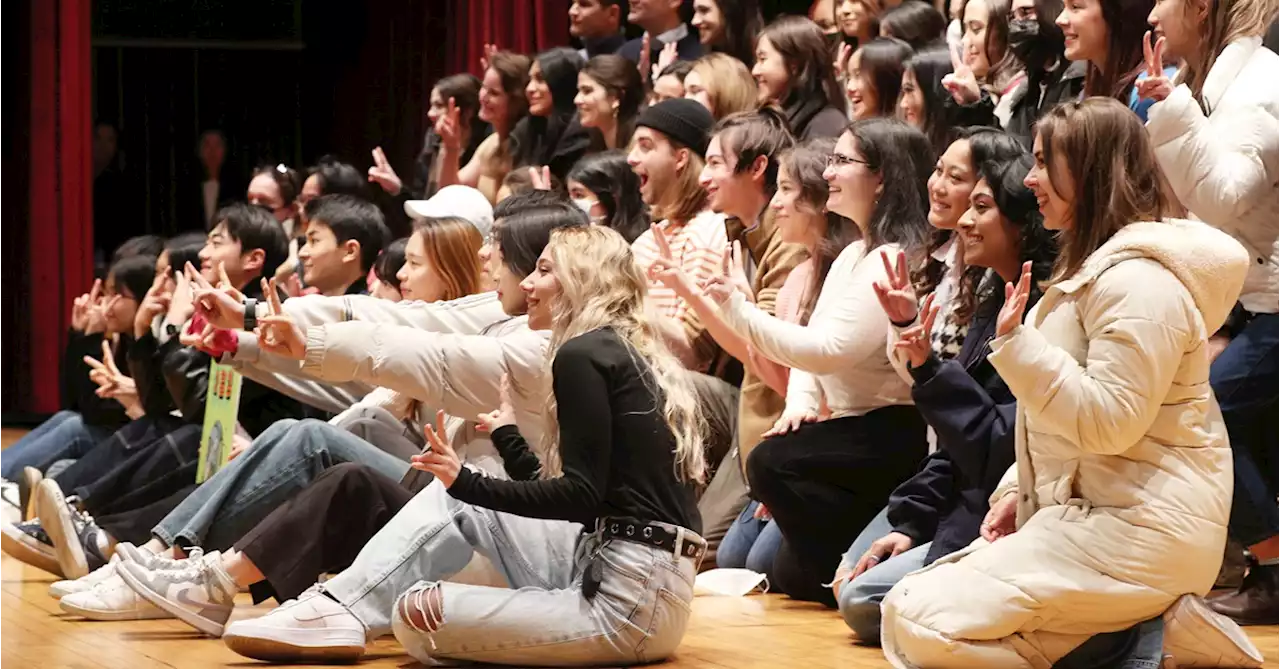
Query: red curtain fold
point(60, 239)
point(514, 25)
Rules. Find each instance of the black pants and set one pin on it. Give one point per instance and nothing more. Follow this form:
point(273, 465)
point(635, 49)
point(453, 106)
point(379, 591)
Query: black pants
point(824, 482)
point(129, 486)
point(321, 530)
point(122, 445)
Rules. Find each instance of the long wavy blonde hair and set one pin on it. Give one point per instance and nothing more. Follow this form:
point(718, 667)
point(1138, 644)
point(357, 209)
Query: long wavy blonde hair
point(602, 286)
point(1226, 22)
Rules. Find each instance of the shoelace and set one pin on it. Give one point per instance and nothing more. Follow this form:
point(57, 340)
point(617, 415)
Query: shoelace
point(7, 490)
point(313, 590)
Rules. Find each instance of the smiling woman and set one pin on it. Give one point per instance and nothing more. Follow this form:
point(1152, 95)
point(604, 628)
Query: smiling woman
point(442, 260)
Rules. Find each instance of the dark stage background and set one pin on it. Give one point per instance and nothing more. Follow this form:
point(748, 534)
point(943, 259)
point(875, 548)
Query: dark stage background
point(287, 81)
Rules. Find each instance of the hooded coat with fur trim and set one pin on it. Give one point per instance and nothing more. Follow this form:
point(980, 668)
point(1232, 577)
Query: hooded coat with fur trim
point(1123, 469)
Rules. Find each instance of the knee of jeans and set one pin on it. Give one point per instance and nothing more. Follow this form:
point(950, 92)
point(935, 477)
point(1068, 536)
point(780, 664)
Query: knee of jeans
point(312, 433)
point(422, 608)
point(860, 612)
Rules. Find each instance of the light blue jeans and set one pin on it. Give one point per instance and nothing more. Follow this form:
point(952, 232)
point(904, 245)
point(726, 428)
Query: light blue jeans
point(639, 615)
point(434, 536)
point(63, 436)
point(283, 460)
point(859, 599)
point(750, 543)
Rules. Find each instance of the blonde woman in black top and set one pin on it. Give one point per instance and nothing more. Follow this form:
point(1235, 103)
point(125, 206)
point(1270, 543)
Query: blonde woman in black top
point(623, 447)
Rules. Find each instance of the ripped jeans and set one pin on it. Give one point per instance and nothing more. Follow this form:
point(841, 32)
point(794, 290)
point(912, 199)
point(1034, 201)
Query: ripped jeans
point(639, 615)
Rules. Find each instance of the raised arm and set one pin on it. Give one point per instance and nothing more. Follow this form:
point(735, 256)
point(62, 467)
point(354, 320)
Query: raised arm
point(460, 374)
point(848, 325)
point(586, 433)
point(1217, 166)
point(1135, 347)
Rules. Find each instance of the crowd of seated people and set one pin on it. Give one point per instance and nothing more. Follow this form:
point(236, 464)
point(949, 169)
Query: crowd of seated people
point(960, 321)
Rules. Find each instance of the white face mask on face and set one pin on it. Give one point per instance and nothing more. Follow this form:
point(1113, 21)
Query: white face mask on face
point(729, 582)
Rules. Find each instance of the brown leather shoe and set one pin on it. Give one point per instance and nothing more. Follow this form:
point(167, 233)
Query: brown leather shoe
point(1255, 602)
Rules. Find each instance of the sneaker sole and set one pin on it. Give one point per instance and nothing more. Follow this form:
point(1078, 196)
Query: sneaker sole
point(199, 622)
point(1195, 609)
point(108, 616)
point(28, 555)
point(31, 478)
point(56, 519)
point(58, 591)
point(271, 650)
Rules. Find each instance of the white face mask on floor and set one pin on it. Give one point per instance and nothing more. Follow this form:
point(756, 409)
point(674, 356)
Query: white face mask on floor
point(729, 582)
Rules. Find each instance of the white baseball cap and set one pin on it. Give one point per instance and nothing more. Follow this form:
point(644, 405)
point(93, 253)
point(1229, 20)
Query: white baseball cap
point(457, 201)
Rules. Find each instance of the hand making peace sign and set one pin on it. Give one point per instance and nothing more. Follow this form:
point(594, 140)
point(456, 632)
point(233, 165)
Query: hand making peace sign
point(915, 340)
point(665, 269)
point(278, 333)
point(896, 294)
point(440, 460)
point(1015, 302)
point(383, 174)
point(1155, 86)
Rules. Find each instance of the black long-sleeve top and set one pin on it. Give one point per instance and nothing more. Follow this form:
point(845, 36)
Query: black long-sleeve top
point(79, 392)
point(617, 452)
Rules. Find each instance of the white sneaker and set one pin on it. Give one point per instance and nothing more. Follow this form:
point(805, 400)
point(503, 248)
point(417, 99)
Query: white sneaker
point(111, 599)
point(312, 628)
point(200, 594)
point(1197, 636)
point(152, 562)
point(61, 589)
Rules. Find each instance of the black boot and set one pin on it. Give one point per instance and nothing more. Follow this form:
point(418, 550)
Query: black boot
point(1256, 601)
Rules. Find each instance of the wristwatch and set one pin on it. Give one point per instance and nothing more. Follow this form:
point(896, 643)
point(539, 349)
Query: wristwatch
point(250, 313)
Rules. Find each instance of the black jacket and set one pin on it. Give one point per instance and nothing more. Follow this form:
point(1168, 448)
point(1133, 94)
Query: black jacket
point(186, 377)
point(78, 392)
point(1060, 85)
point(688, 48)
point(972, 411)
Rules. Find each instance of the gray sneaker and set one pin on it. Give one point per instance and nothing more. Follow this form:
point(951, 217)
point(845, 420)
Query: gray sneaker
point(28, 542)
point(73, 532)
point(152, 562)
point(200, 593)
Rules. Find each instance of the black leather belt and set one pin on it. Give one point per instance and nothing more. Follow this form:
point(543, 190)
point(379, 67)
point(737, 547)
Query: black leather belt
point(682, 542)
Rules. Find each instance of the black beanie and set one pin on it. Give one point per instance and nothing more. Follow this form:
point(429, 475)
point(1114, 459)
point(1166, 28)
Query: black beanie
point(686, 122)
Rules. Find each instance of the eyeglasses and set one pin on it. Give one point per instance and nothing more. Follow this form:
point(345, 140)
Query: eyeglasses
point(838, 160)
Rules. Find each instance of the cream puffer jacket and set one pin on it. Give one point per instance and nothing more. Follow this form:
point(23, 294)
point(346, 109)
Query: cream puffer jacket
point(1224, 164)
point(1123, 467)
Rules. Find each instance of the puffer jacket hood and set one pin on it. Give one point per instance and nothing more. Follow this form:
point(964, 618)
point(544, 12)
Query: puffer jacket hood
point(1210, 263)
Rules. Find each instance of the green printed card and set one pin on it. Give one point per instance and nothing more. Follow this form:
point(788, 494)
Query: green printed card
point(222, 403)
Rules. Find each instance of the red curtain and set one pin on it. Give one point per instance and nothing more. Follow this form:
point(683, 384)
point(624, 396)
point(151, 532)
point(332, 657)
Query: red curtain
point(514, 25)
point(60, 234)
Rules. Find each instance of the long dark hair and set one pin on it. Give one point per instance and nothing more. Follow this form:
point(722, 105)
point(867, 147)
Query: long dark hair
point(617, 188)
point(1051, 44)
point(742, 22)
point(1126, 22)
point(903, 158)
point(882, 60)
point(620, 78)
point(812, 84)
point(464, 90)
point(1114, 170)
point(929, 67)
point(1018, 204)
point(806, 164)
point(987, 146)
point(917, 23)
point(553, 140)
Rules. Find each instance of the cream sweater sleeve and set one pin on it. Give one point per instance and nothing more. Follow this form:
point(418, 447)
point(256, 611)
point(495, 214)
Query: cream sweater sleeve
point(847, 328)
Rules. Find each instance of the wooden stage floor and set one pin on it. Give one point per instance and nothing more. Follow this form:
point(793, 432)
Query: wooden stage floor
point(757, 632)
